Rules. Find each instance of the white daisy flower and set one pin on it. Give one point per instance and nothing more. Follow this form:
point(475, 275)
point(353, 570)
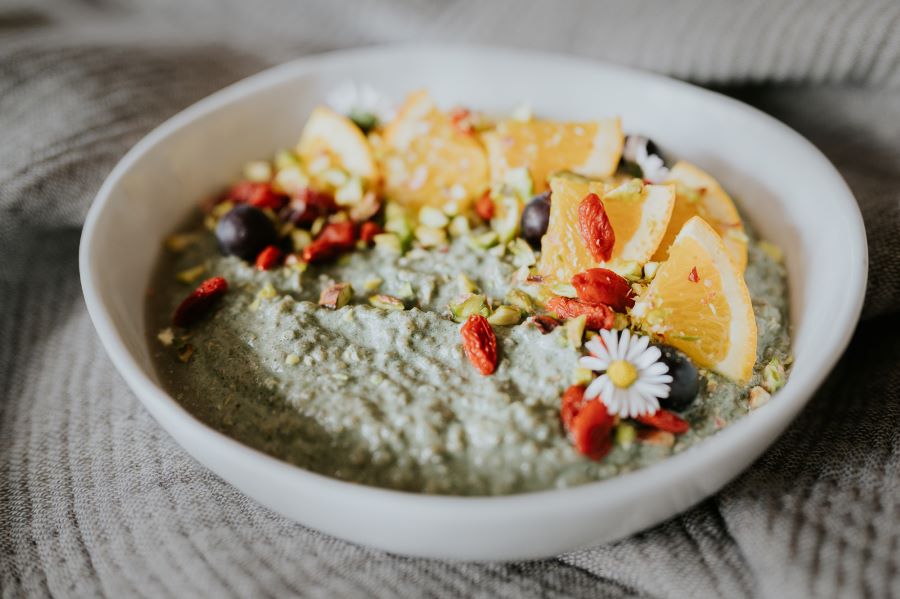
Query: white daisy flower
point(633, 379)
point(351, 97)
point(652, 166)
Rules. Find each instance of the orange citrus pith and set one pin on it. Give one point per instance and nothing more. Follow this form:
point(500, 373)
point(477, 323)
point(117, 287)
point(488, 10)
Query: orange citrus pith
point(330, 135)
point(638, 221)
point(698, 194)
point(590, 148)
point(428, 161)
point(699, 303)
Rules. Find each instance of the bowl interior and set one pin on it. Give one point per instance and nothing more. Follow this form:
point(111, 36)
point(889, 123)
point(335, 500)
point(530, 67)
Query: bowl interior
point(783, 185)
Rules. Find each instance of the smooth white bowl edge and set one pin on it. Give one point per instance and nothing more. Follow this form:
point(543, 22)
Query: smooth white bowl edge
point(529, 525)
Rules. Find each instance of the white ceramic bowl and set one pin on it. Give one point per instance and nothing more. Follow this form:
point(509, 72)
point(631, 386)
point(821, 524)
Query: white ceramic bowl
point(786, 187)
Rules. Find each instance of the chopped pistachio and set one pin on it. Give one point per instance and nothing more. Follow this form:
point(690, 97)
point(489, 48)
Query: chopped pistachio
point(317, 225)
point(507, 214)
point(365, 120)
point(388, 242)
point(266, 292)
point(621, 321)
point(349, 193)
point(650, 269)
point(258, 171)
point(483, 241)
point(519, 181)
point(521, 300)
point(405, 291)
point(497, 250)
point(386, 302)
point(286, 158)
point(630, 270)
point(459, 226)
point(290, 179)
point(430, 237)
point(774, 376)
point(505, 315)
point(758, 397)
point(464, 306)
point(336, 296)
point(335, 177)
point(582, 376)
point(181, 241)
point(292, 359)
point(575, 330)
point(210, 222)
point(372, 284)
point(189, 275)
point(465, 284)
point(221, 209)
point(629, 191)
point(432, 217)
point(344, 260)
point(564, 289)
point(522, 253)
point(166, 336)
point(300, 238)
point(396, 221)
point(522, 113)
point(655, 437)
point(625, 435)
point(773, 251)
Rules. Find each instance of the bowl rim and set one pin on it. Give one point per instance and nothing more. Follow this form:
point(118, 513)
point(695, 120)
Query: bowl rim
point(739, 434)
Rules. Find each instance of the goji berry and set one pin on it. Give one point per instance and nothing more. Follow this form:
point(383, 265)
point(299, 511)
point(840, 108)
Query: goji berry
point(259, 195)
point(544, 324)
point(334, 239)
point(591, 430)
point(480, 343)
point(484, 207)
point(570, 405)
point(603, 286)
point(307, 205)
point(270, 257)
point(693, 277)
point(368, 230)
point(599, 316)
point(665, 420)
point(596, 230)
point(199, 302)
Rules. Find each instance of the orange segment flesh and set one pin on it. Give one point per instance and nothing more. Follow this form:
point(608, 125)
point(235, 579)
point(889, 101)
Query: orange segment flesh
point(590, 148)
point(638, 223)
point(698, 194)
point(336, 137)
point(698, 302)
point(428, 161)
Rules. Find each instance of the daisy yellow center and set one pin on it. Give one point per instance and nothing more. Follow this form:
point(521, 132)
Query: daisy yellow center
point(622, 373)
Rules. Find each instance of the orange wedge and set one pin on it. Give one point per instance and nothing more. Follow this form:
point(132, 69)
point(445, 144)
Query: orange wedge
point(698, 194)
point(698, 302)
point(638, 215)
point(591, 149)
point(332, 136)
point(429, 161)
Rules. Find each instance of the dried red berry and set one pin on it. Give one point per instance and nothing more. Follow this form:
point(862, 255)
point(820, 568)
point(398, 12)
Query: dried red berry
point(599, 316)
point(484, 207)
point(596, 230)
point(461, 119)
point(199, 302)
point(307, 205)
point(665, 420)
point(693, 277)
point(258, 195)
point(480, 343)
point(571, 404)
point(269, 258)
point(591, 430)
point(335, 239)
point(603, 286)
point(369, 230)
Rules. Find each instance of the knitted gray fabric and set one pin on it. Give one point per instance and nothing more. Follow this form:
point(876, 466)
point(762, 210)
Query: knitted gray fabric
point(96, 500)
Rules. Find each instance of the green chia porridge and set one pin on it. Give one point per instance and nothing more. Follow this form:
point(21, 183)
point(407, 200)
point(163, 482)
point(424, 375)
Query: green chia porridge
point(341, 311)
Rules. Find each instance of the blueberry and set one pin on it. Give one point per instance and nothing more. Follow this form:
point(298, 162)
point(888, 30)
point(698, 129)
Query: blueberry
point(244, 231)
point(686, 380)
point(535, 219)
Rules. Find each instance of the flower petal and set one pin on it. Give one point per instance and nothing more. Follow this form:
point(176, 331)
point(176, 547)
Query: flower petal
point(650, 355)
point(593, 390)
point(592, 363)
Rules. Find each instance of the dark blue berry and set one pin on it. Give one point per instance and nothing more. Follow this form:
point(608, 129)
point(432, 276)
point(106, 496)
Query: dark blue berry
point(535, 219)
point(244, 231)
point(685, 384)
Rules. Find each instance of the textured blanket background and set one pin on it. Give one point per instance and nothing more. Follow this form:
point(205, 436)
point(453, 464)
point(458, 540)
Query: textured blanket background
point(96, 500)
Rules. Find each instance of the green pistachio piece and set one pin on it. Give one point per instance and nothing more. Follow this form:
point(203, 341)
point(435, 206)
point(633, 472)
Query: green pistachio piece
point(388, 242)
point(629, 191)
point(575, 330)
point(466, 285)
point(625, 434)
point(522, 253)
point(521, 300)
point(189, 275)
point(386, 302)
point(505, 316)
point(336, 296)
point(582, 376)
point(430, 237)
point(432, 217)
point(483, 241)
point(774, 376)
point(467, 305)
point(258, 171)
